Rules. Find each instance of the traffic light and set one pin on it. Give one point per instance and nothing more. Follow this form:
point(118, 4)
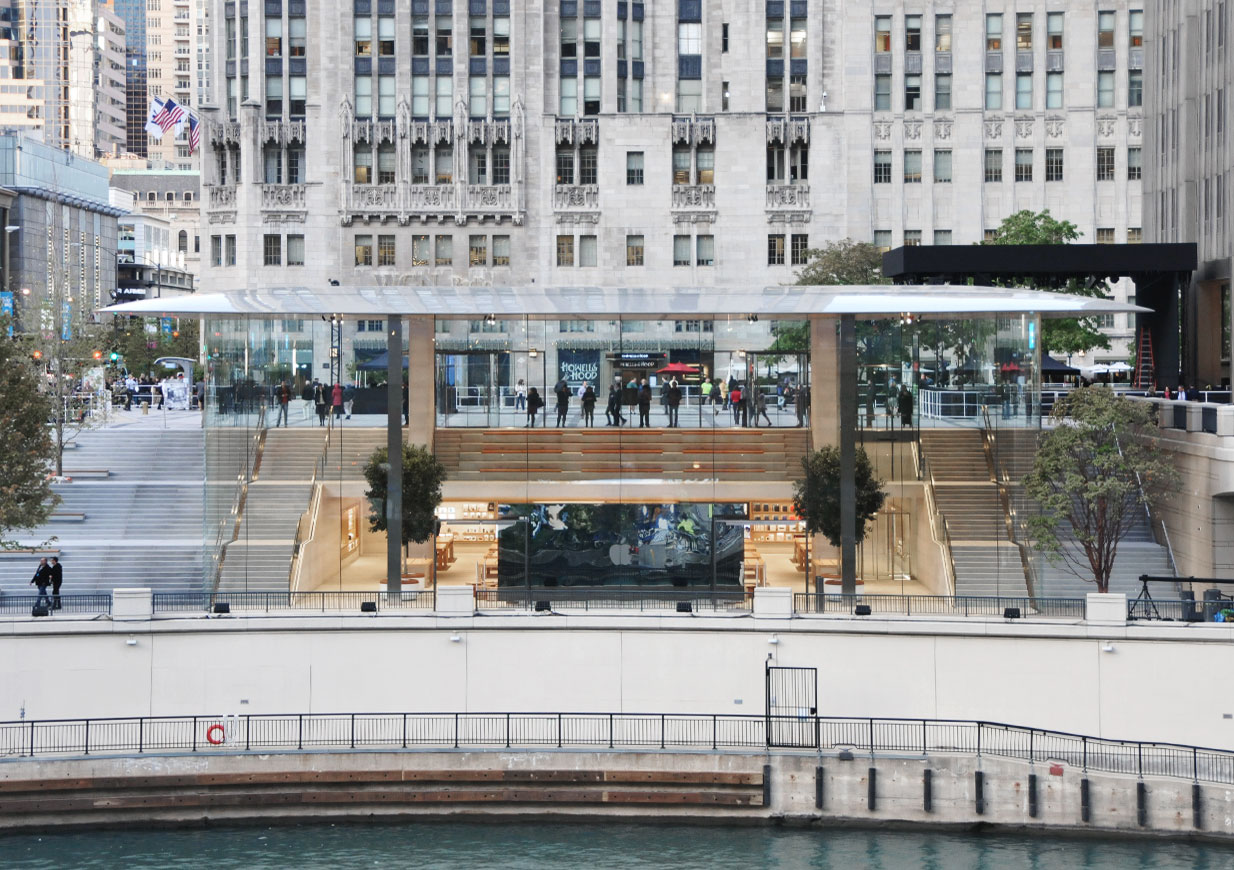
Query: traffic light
point(98, 354)
point(114, 356)
point(38, 354)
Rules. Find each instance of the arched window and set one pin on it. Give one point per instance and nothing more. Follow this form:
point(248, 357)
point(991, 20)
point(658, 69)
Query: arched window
point(188, 196)
point(170, 195)
point(150, 196)
point(183, 240)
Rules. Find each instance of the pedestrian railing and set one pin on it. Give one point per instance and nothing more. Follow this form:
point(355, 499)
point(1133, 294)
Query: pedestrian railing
point(938, 605)
point(23, 603)
point(563, 599)
point(343, 732)
point(267, 602)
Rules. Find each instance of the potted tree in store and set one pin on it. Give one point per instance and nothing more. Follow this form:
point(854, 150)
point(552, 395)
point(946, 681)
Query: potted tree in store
point(423, 475)
point(816, 495)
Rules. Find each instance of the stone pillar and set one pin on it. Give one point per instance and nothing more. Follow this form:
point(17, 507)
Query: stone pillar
point(848, 454)
point(421, 381)
point(824, 381)
point(394, 444)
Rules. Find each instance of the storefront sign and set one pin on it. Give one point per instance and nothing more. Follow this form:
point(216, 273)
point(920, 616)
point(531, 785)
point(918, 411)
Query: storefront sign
point(6, 308)
point(637, 360)
point(577, 366)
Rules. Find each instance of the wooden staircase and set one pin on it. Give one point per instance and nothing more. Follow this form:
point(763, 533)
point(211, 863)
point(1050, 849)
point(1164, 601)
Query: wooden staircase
point(602, 453)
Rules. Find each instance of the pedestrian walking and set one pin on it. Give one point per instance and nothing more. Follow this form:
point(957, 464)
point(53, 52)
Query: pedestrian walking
point(42, 579)
point(760, 407)
point(349, 399)
point(319, 401)
point(612, 411)
point(644, 404)
point(562, 392)
point(336, 400)
point(673, 402)
point(282, 395)
point(904, 404)
point(802, 403)
point(589, 405)
point(734, 402)
point(57, 577)
point(534, 403)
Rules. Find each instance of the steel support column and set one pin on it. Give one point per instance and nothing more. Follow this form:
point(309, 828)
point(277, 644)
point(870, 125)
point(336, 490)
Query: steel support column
point(848, 454)
point(394, 445)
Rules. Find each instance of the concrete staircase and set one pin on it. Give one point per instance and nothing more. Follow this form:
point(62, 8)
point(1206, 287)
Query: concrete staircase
point(259, 559)
point(986, 561)
point(600, 453)
point(131, 517)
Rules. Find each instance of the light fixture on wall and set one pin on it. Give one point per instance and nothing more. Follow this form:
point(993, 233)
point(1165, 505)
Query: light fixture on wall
point(532, 353)
point(132, 641)
point(456, 638)
point(1107, 647)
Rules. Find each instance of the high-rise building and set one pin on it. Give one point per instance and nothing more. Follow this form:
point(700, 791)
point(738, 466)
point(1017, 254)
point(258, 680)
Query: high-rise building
point(96, 79)
point(136, 100)
point(1189, 187)
point(488, 142)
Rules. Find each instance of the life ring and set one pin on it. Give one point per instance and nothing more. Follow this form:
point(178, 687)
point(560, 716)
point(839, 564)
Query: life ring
point(210, 738)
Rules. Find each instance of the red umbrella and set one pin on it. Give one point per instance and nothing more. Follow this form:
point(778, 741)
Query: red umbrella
point(677, 369)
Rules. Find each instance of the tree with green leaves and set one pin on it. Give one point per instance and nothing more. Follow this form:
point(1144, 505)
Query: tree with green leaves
point(843, 262)
point(26, 496)
point(1094, 475)
point(1058, 335)
point(816, 495)
point(423, 475)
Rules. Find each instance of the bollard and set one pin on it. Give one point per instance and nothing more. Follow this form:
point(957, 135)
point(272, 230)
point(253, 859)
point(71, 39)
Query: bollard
point(872, 790)
point(979, 792)
point(1085, 807)
point(1197, 816)
point(145, 407)
point(766, 785)
point(1141, 803)
point(818, 787)
point(927, 790)
point(1032, 795)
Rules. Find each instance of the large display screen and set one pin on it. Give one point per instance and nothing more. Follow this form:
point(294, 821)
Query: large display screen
point(668, 545)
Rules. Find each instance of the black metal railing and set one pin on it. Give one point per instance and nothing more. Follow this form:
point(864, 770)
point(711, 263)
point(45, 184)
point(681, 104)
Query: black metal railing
point(266, 602)
point(938, 605)
point(598, 598)
point(23, 603)
point(587, 731)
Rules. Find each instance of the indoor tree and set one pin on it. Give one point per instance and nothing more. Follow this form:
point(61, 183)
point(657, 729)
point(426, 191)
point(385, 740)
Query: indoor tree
point(26, 496)
point(1095, 474)
point(816, 494)
point(423, 476)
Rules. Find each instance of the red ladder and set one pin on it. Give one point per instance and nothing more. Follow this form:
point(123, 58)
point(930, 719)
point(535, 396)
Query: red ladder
point(1145, 369)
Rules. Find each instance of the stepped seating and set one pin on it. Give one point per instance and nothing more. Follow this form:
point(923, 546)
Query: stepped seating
point(572, 454)
point(135, 519)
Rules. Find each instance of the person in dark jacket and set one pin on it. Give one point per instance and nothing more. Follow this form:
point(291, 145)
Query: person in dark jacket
point(42, 579)
point(534, 404)
point(589, 405)
point(57, 577)
point(319, 401)
point(612, 411)
point(904, 404)
point(282, 395)
point(406, 397)
point(562, 391)
point(644, 404)
point(673, 400)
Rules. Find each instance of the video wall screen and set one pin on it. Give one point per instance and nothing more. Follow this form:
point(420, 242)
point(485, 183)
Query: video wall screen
point(687, 545)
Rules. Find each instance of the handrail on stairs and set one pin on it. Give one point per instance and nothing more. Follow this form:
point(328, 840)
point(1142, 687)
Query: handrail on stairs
point(1002, 482)
point(937, 522)
point(306, 526)
point(240, 498)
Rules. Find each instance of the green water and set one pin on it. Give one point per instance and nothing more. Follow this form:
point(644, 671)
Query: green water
point(544, 846)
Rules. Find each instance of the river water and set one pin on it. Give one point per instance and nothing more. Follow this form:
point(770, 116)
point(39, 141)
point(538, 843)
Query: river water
point(594, 846)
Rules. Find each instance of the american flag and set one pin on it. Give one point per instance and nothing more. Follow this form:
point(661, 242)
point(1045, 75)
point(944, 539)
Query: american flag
point(171, 115)
point(194, 133)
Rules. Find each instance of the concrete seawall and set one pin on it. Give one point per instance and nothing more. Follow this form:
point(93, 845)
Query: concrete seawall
point(756, 787)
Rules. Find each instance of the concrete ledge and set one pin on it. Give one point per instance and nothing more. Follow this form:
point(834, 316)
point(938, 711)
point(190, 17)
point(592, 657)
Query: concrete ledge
point(132, 605)
point(456, 600)
point(1106, 608)
point(773, 602)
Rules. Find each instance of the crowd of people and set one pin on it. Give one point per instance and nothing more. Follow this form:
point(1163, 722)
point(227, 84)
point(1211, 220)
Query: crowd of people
point(175, 394)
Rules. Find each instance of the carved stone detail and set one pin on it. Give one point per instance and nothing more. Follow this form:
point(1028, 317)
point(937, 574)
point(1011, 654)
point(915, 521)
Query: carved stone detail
point(694, 196)
point(912, 130)
point(788, 196)
point(994, 129)
point(882, 130)
point(942, 130)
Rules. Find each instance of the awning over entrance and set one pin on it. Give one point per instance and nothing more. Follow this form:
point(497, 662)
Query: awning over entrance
point(653, 303)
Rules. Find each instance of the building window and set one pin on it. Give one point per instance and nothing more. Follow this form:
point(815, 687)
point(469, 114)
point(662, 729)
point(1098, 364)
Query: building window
point(634, 250)
point(231, 249)
point(882, 93)
point(1054, 164)
point(942, 237)
point(364, 250)
point(569, 97)
point(912, 167)
point(591, 95)
point(994, 90)
point(1024, 164)
point(501, 250)
point(942, 33)
point(1105, 164)
point(994, 32)
point(1105, 89)
point(882, 33)
point(295, 250)
point(587, 251)
point(797, 38)
point(1135, 88)
point(364, 36)
point(1105, 29)
point(565, 250)
point(775, 94)
point(942, 167)
point(942, 91)
point(445, 251)
point(386, 161)
point(477, 251)
point(1134, 167)
point(1024, 90)
point(1135, 27)
point(882, 240)
point(690, 38)
point(705, 166)
point(501, 165)
point(994, 164)
point(912, 93)
point(1105, 235)
point(912, 33)
point(272, 249)
point(565, 165)
point(363, 162)
point(1024, 31)
point(216, 250)
point(445, 36)
point(1054, 90)
point(634, 167)
point(681, 250)
point(912, 238)
point(797, 93)
point(1054, 31)
point(882, 167)
point(297, 35)
point(445, 97)
point(775, 250)
point(799, 244)
point(705, 248)
point(588, 165)
point(1134, 235)
point(385, 250)
point(421, 252)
